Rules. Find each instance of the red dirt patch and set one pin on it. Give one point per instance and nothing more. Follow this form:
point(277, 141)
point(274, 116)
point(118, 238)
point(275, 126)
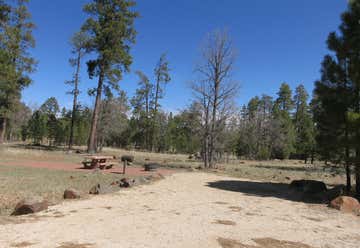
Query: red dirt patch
point(130, 170)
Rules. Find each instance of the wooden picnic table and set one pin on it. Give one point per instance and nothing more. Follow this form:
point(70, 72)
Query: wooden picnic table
point(101, 162)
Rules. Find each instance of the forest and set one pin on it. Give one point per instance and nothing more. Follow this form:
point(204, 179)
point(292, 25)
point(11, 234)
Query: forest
point(295, 124)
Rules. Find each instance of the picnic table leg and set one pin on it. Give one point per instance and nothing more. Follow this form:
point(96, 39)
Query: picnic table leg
point(124, 167)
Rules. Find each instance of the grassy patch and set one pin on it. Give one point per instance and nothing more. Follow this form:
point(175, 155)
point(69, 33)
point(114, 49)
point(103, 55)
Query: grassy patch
point(19, 182)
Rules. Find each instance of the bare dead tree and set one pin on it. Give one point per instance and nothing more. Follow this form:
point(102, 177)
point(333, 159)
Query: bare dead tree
point(215, 90)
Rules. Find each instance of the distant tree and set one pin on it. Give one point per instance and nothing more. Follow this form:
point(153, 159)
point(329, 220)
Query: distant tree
point(254, 140)
point(79, 42)
point(16, 62)
point(111, 33)
point(50, 107)
point(142, 108)
point(18, 120)
point(215, 91)
point(113, 119)
point(283, 135)
point(183, 130)
point(162, 78)
point(304, 126)
point(37, 127)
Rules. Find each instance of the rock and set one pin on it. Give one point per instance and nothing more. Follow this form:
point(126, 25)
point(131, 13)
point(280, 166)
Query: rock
point(345, 204)
point(71, 194)
point(95, 190)
point(30, 205)
point(308, 186)
point(335, 192)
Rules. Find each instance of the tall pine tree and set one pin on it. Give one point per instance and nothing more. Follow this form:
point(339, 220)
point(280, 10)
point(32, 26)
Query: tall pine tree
point(15, 61)
point(111, 33)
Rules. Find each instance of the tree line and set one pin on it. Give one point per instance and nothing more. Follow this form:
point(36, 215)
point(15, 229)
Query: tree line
point(291, 125)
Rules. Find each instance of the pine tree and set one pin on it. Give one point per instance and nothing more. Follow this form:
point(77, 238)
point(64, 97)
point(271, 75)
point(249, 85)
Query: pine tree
point(337, 96)
point(16, 62)
point(79, 42)
point(304, 127)
point(162, 78)
point(111, 33)
point(284, 133)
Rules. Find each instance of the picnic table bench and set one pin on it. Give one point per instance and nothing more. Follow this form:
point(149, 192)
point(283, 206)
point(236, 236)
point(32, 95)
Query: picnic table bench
point(101, 162)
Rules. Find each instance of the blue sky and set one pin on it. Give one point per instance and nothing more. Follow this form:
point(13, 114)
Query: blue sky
point(277, 41)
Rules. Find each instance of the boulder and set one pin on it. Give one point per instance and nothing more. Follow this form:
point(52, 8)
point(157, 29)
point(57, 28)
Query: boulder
point(308, 186)
point(30, 205)
point(71, 194)
point(345, 204)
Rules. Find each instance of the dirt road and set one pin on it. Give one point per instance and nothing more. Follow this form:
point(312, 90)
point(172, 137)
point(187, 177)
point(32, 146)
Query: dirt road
point(187, 210)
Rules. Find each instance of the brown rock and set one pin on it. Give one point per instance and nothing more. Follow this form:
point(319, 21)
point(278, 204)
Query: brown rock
point(30, 205)
point(71, 194)
point(345, 204)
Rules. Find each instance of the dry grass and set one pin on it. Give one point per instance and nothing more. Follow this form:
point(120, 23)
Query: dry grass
point(17, 183)
point(225, 222)
point(22, 244)
point(75, 245)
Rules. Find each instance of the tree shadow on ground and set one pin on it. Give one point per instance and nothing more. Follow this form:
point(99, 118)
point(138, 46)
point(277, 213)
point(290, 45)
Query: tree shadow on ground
point(266, 189)
point(45, 148)
point(37, 147)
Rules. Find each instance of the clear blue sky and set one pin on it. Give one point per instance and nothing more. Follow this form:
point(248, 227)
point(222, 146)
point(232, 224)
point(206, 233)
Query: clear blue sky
point(277, 41)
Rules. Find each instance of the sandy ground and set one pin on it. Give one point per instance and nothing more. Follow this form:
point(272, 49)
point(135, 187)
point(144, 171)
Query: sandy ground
point(184, 211)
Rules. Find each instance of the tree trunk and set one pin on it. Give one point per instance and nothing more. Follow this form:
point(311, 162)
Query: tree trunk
point(76, 92)
point(92, 138)
point(3, 122)
point(213, 124)
point(357, 173)
point(153, 136)
point(206, 152)
point(347, 168)
point(348, 178)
